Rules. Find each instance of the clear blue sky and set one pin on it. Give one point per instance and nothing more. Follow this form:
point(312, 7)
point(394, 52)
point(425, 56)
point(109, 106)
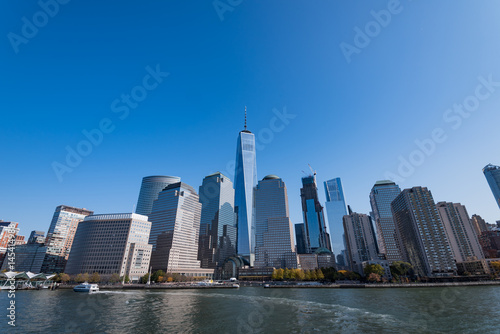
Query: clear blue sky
point(352, 120)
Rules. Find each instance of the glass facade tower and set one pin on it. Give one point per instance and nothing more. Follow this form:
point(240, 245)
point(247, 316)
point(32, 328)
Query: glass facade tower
point(315, 229)
point(274, 245)
point(381, 197)
point(218, 221)
point(150, 188)
point(244, 182)
point(492, 174)
point(335, 211)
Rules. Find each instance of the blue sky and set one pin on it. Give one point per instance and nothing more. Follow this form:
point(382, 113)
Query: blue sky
point(352, 120)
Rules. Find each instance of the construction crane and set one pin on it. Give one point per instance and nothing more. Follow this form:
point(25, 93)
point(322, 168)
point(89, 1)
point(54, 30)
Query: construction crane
point(312, 171)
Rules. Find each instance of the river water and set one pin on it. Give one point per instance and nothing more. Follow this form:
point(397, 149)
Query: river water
point(257, 310)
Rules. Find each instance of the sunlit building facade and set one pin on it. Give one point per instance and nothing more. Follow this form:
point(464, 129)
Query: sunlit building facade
point(335, 211)
point(150, 188)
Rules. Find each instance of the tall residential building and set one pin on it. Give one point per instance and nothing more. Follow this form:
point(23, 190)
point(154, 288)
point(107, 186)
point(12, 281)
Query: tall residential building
point(360, 240)
point(274, 246)
point(150, 188)
point(244, 182)
point(218, 221)
point(381, 197)
point(463, 239)
point(315, 229)
point(175, 228)
point(36, 237)
point(111, 244)
point(335, 212)
point(492, 174)
point(421, 235)
point(479, 224)
point(8, 231)
point(60, 237)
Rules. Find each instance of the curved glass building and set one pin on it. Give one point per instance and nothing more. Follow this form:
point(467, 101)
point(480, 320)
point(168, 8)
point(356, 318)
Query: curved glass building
point(150, 188)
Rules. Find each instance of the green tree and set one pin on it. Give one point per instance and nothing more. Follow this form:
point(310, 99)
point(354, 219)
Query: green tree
point(144, 279)
point(374, 269)
point(307, 275)
point(64, 278)
point(314, 276)
point(400, 269)
point(320, 275)
point(274, 276)
point(95, 278)
point(495, 265)
point(115, 278)
point(287, 274)
point(280, 274)
point(155, 277)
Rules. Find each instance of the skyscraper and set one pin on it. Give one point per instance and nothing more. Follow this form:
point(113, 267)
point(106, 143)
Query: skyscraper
point(112, 244)
point(381, 197)
point(218, 221)
point(274, 245)
point(300, 236)
point(60, 237)
point(463, 239)
point(492, 174)
point(315, 229)
point(150, 188)
point(360, 240)
point(175, 228)
point(421, 235)
point(37, 237)
point(244, 182)
point(335, 211)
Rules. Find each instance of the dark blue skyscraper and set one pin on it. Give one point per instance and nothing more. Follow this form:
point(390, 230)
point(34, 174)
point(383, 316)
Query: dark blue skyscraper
point(335, 211)
point(492, 174)
point(381, 197)
point(244, 182)
point(315, 229)
point(218, 221)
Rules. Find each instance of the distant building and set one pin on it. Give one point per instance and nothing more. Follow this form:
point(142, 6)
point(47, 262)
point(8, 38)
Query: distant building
point(8, 230)
point(175, 227)
point(316, 261)
point(421, 234)
point(111, 244)
point(150, 188)
point(492, 174)
point(273, 227)
point(60, 237)
point(245, 180)
point(335, 211)
point(36, 237)
point(20, 240)
point(381, 197)
point(316, 236)
point(460, 232)
point(360, 239)
point(300, 236)
point(490, 243)
point(479, 224)
point(218, 230)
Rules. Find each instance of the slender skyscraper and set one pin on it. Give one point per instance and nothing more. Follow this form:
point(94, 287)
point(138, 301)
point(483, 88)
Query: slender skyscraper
point(381, 197)
point(421, 234)
point(360, 239)
point(492, 174)
point(244, 182)
point(150, 188)
point(314, 220)
point(218, 221)
point(274, 233)
point(460, 231)
point(335, 211)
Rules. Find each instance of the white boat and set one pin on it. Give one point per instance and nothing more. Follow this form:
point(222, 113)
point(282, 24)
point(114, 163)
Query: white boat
point(235, 285)
point(86, 287)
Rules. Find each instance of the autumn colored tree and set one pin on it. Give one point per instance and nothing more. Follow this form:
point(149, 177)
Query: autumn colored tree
point(95, 278)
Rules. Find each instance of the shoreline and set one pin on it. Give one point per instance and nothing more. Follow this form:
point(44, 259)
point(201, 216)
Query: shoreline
point(293, 286)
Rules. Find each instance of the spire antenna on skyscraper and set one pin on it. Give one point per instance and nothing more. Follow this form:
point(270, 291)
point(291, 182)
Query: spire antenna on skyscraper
point(245, 117)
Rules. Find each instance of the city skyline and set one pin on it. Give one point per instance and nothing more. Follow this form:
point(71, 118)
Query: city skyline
point(294, 97)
